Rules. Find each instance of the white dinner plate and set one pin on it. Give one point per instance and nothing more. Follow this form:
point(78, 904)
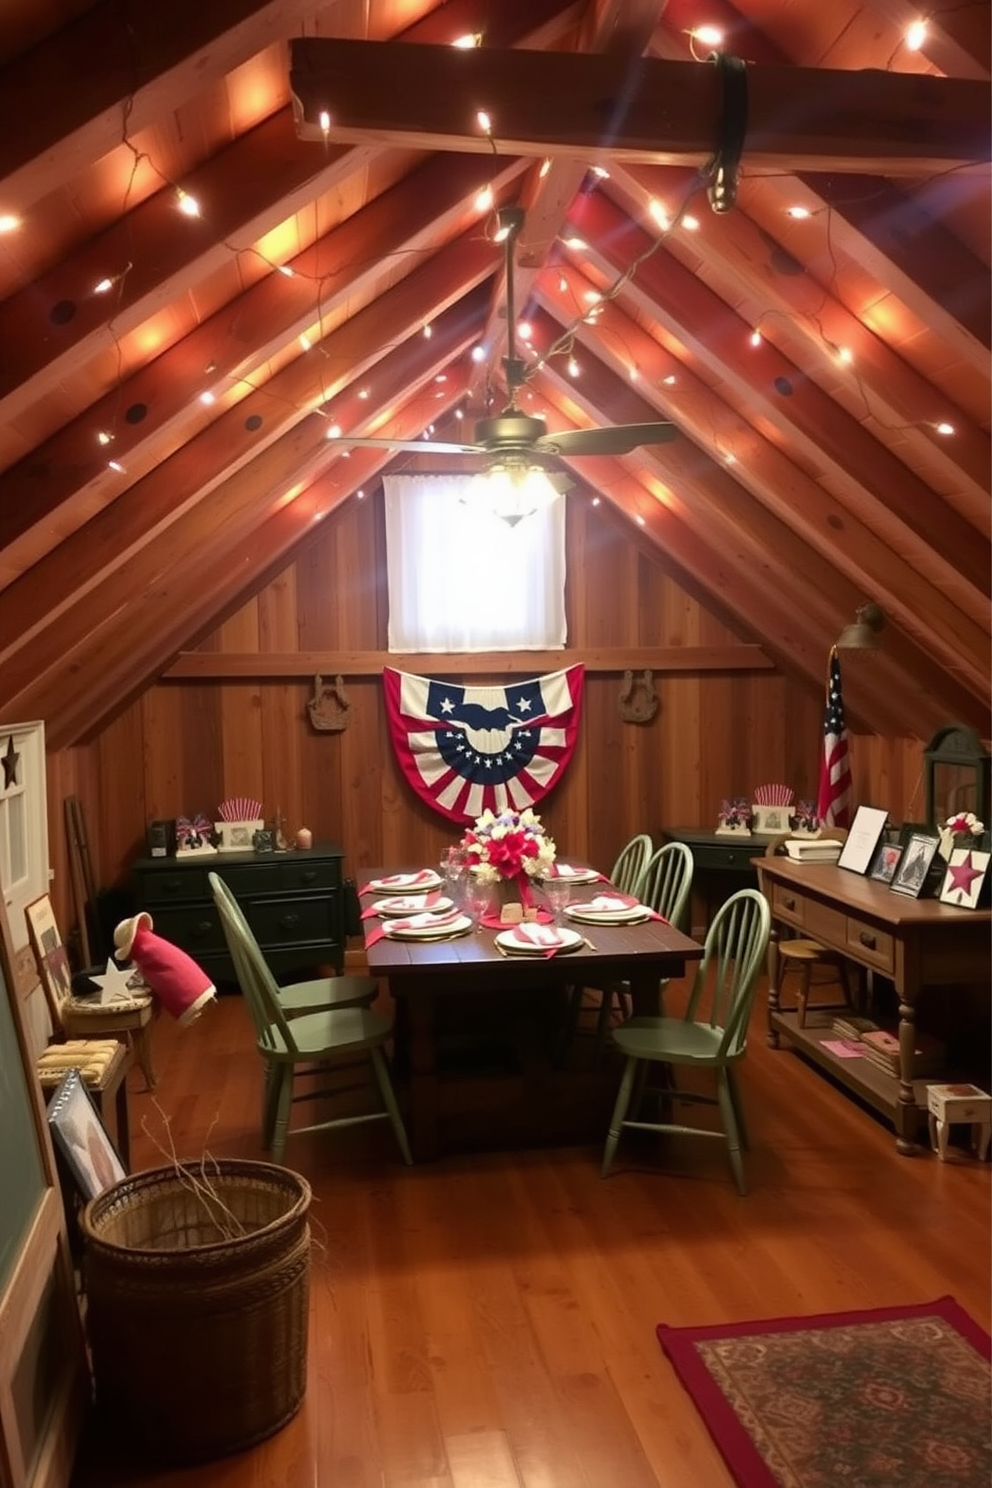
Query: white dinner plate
point(576, 875)
point(411, 904)
point(633, 915)
point(443, 930)
point(568, 940)
point(407, 883)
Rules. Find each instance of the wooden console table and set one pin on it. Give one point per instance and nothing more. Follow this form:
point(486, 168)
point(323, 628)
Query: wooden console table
point(915, 943)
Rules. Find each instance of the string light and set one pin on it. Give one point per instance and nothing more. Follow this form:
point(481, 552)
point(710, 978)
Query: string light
point(428, 331)
point(845, 355)
point(305, 343)
point(116, 465)
point(573, 367)
point(578, 245)
point(658, 213)
point(188, 205)
point(468, 41)
point(755, 338)
point(287, 272)
point(670, 380)
point(324, 120)
point(944, 428)
point(103, 286)
point(545, 167)
point(916, 35)
point(484, 122)
point(690, 223)
point(104, 437)
point(601, 172)
point(798, 213)
point(8, 222)
point(710, 36)
point(484, 200)
point(478, 354)
point(334, 432)
point(207, 398)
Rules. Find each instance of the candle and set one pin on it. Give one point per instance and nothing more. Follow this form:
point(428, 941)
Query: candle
point(304, 838)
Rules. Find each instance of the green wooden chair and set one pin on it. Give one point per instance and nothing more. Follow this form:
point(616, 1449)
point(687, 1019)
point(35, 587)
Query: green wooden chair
point(315, 1045)
point(712, 1035)
point(319, 995)
point(665, 883)
point(629, 867)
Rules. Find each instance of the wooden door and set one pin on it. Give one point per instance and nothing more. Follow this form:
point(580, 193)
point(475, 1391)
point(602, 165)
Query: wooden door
point(44, 1379)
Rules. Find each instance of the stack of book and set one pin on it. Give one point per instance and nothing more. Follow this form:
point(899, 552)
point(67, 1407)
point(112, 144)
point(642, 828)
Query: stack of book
point(813, 849)
point(850, 1026)
point(882, 1050)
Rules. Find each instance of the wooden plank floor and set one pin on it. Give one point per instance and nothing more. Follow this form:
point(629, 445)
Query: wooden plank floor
point(487, 1321)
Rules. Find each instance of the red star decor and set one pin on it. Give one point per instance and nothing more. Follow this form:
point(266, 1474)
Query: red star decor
point(962, 876)
point(10, 761)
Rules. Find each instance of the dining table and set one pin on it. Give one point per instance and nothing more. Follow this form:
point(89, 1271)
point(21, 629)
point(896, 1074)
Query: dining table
point(428, 978)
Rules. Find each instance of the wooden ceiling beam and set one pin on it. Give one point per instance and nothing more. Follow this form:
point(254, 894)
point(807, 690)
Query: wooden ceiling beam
point(772, 388)
point(201, 547)
point(246, 190)
point(69, 100)
point(869, 218)
point(345, 266)
point(888, 565)
point(590, 107)
point(102, 559)
point(808, 325)
point(773, 538)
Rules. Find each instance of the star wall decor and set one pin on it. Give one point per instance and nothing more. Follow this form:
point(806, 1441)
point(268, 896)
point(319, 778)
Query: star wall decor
point(11, 759)
point(965, 877)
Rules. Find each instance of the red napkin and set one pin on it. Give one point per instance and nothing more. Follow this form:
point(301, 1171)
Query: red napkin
point(610, 903)
point(401, 881)
point(426, 901)
point(493, 921)
point(413, 922)
point(560, 870)
point(535, 936)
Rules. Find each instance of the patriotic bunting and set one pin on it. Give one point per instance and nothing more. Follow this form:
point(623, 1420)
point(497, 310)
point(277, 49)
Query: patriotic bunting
point(466, 749)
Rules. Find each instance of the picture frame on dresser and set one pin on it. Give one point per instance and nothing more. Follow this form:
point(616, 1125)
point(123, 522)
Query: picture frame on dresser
point(914, 865)
point(864, 835)
point(885, 863)
point(965, 877)
point(51, 956)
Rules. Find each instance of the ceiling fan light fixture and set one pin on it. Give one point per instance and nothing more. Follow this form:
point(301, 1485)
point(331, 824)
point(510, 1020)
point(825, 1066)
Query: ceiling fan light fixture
point(515, 489)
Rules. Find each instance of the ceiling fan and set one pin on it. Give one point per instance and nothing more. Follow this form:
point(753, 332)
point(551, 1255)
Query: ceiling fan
point(518, 442)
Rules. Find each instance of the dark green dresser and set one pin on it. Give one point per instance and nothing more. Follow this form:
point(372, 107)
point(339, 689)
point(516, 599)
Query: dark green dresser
point(294, 903)
point(723, 864)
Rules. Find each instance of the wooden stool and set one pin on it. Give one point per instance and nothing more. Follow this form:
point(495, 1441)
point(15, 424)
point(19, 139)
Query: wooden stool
point(948, 1104)
point(803, 956)
point(103, 1065)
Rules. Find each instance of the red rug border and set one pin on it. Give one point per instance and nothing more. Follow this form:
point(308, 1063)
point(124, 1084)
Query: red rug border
point(743, 1460)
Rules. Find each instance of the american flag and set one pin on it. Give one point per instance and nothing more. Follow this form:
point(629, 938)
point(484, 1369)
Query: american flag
point(833, 802)
point(464, 749)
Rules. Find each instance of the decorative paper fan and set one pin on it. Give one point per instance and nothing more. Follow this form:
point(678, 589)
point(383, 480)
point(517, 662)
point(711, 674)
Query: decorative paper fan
point(773, 795)
point(240, 809)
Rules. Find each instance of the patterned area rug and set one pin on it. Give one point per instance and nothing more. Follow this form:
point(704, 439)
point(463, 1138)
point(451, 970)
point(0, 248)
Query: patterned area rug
point(895, 1397)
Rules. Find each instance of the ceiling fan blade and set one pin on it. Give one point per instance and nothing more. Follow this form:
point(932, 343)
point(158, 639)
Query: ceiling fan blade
point(619, 439)
point(415, 446)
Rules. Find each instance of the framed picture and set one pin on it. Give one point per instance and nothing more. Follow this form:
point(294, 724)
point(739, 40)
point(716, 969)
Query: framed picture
point(914, 865)
point(81, 1137)
point(885, 862)
point(264, 842)
point(237, 836)
point(965, 877)
point(50, 954)
point(771, 819)
point(858, 852)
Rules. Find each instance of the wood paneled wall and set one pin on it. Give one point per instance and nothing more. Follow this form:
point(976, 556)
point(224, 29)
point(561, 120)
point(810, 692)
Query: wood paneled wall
point(183, 746)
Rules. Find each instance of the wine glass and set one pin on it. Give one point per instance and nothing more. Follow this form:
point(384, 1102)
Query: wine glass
point(557, 892)
point(478, 895)
point(454, 862)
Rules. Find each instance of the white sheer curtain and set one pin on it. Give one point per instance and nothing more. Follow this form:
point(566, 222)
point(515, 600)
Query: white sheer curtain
point(462, 579)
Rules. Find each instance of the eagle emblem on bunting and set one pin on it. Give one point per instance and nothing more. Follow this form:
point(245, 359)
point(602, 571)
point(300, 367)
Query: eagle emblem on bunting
point(464, 749)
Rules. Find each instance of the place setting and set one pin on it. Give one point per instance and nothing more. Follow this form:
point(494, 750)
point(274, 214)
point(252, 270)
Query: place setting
point(576, 874)
point(612, 909)
point(532, 939)
point(426, 925)
point(423, 880)
point(397, 905)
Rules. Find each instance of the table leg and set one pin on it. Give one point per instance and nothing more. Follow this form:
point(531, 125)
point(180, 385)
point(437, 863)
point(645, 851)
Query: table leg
point(423, 1075)
point(773, 965)
point(907, 1114)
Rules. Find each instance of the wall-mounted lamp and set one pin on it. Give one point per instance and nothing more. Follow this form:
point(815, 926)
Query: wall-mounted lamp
point(866, 631)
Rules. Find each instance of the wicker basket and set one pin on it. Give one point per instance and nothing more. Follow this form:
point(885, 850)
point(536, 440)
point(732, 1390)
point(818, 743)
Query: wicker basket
point(199, 1340)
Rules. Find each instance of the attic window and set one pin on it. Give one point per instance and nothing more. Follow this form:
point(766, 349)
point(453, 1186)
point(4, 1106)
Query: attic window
point(462, 580)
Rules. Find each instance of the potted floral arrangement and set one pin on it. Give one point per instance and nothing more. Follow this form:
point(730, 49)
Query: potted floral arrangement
point(805, 821)
point(735, 816)
point(962, 830)
point(512, 845)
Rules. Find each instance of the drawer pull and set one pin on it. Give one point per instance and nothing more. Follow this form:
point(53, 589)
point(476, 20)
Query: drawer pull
point(289, 921)
point(789, 903)
point(309, 876)
point(867, 940)
point(203, 927)
point(731, 858)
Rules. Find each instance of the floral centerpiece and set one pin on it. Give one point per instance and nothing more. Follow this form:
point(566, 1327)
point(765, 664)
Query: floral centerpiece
point(962, 830)
point(805, 819)
point(511, 845)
